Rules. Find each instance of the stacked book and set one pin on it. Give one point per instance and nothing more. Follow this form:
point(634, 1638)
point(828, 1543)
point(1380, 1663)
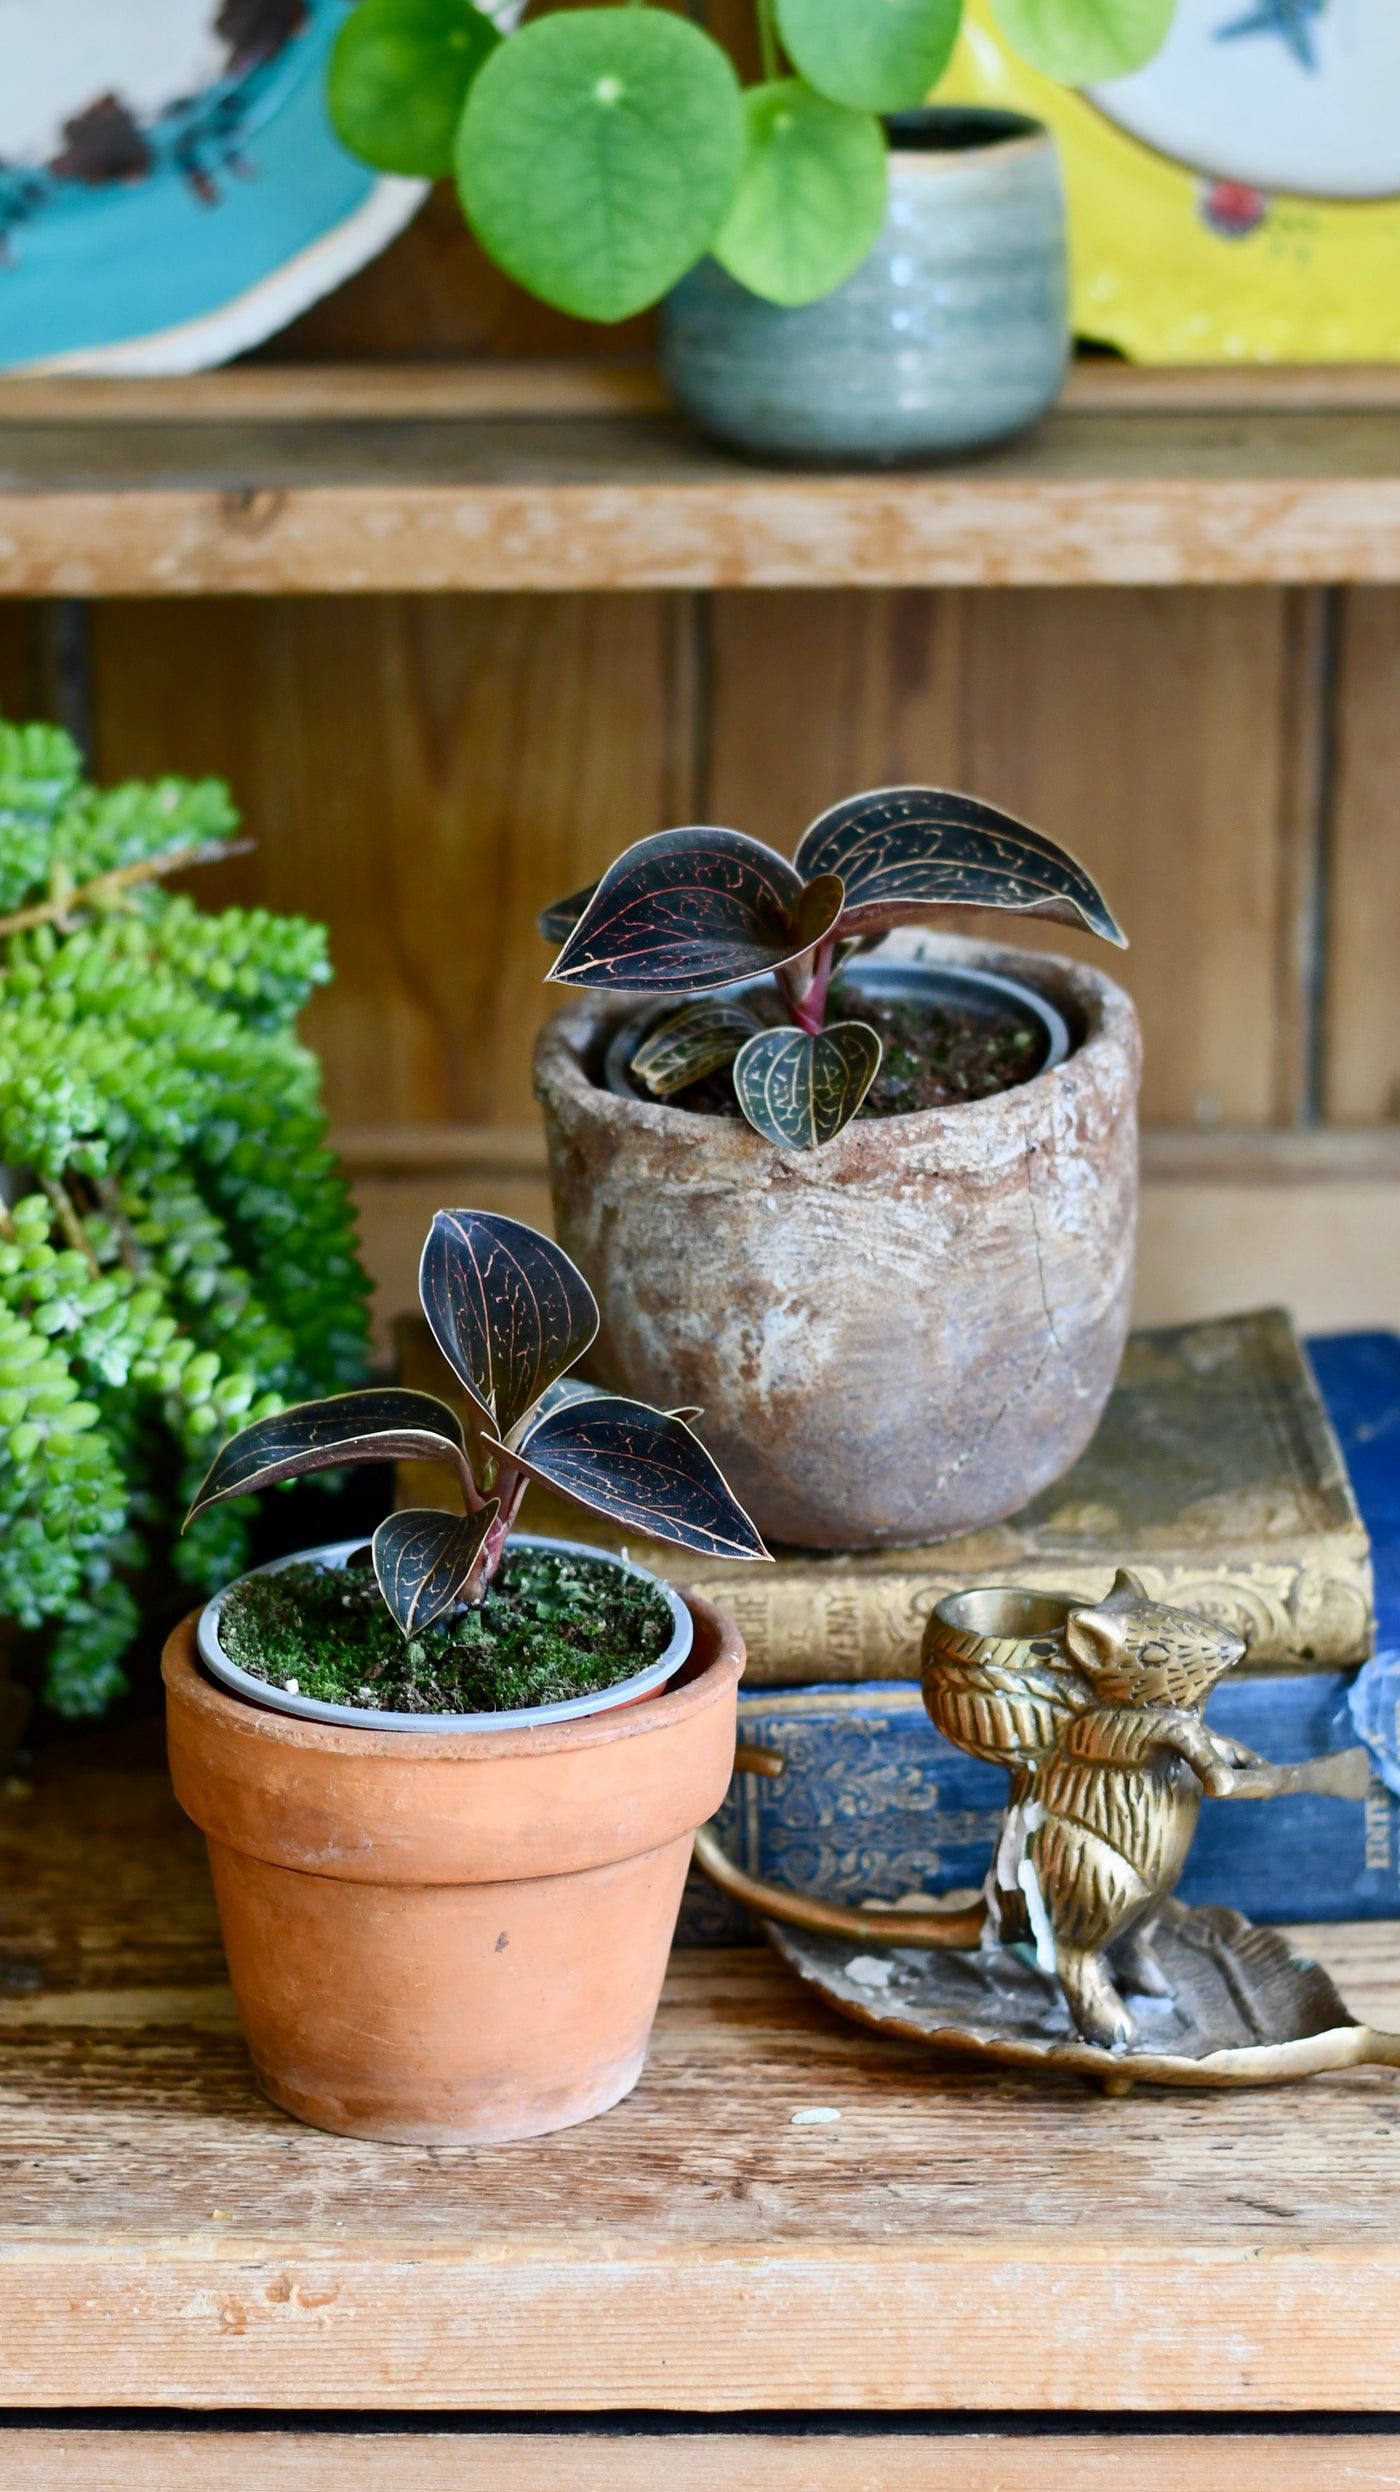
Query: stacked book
point(1234, 1474)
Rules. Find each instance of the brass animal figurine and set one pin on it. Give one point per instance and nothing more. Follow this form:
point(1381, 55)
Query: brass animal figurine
point(1097, 1714)
point(1096, 1711)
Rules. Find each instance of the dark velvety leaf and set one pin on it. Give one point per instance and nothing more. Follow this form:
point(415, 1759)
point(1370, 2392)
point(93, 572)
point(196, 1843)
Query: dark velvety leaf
point(800, 1091)
point(690, 1043)
point(643, 1468)
point(508, 1310)
point(689, 909)
point(384, 1423)
point(423, 1561)
point(902, 851)
point(557, 922)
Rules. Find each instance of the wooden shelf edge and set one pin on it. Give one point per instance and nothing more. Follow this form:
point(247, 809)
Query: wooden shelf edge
point(56, 2458)
point(1323, 1155)
point(452, 391)
point(746, 529)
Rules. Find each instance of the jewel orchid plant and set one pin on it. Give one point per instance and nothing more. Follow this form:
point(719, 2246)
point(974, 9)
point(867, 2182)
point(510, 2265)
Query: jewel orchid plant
point(511, 1315)
point(691, 911)
point(600, 152)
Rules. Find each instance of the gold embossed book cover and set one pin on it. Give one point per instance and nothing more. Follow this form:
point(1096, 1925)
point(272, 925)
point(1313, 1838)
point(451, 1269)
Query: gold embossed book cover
point(1214, 1475)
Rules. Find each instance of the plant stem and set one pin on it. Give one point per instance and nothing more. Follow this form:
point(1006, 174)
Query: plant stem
point(70, 1224)
point(808, 1006)
point(767, 40)
point(510, 1488)
point(106, 889)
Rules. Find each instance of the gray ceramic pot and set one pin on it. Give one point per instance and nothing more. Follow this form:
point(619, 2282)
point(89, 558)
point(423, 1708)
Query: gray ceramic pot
point(894, 1339)
point(954, 332)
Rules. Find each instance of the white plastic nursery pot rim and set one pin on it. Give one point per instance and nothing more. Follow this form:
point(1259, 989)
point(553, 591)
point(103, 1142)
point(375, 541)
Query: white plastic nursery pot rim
point(335, 1553)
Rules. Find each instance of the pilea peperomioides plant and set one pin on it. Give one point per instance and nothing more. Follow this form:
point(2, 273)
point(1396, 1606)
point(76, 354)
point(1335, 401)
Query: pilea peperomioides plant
point(511, 1315)
point(600, 152)
point(694, 910)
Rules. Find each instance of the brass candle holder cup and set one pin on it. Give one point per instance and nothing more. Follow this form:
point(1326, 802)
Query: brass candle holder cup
point(1075, 1954)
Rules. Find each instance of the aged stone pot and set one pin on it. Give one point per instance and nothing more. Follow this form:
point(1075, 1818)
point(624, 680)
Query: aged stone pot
point(449, 1940)
point(902, 1336)
point(953, 332)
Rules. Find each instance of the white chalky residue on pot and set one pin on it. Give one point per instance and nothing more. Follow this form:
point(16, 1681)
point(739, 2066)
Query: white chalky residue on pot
point(897, 1338)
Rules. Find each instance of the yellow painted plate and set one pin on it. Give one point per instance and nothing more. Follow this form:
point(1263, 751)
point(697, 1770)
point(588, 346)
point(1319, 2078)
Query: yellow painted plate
point(1239, 199)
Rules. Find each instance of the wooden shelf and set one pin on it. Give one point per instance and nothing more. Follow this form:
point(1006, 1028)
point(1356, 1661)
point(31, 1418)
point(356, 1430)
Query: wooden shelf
point(542, 477)
point(951, 2243)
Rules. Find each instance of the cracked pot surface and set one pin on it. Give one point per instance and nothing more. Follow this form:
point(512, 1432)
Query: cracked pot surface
point(896, 1338)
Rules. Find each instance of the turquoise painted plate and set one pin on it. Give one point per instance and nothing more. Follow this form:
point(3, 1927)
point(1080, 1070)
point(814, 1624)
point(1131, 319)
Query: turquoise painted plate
point(170, 240)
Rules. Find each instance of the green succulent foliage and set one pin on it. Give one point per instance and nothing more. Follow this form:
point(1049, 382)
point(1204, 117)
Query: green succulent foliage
point(1080, 41)
point(177, 1250)
point(398, 80)
point(881, 58)
point(811, 198)
point(598, 152)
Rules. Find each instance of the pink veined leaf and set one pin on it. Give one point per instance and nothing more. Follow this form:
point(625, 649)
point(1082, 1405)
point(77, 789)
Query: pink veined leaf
point(641, 1467)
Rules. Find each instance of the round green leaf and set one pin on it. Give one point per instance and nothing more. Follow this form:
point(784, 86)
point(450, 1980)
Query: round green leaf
point(876, 55)
point(398, 79)
point(1081, 41)
point(811, 198)
point(598, 153)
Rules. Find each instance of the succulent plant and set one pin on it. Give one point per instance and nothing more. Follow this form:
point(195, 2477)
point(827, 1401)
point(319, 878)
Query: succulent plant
point(511, 1315)
point(697, 910)
point(177, 1245)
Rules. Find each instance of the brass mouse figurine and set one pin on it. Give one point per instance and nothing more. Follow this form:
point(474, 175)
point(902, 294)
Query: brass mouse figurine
point(1098, 1718)
point(1096, 1711)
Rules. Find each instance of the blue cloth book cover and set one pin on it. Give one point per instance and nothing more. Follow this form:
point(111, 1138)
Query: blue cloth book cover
point(874, 1804)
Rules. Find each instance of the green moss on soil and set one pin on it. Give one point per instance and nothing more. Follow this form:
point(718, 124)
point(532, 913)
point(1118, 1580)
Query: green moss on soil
point(934, 1056)
point(552, 1627)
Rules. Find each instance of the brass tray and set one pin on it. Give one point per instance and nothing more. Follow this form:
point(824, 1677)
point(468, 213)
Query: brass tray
point(1281, 2013)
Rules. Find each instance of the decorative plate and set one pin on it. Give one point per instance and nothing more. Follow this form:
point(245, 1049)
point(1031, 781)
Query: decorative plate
point(1238, 199)
point(170, 188)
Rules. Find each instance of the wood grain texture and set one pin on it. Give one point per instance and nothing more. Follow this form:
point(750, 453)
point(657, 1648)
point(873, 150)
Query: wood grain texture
point(424, 775)
point(435, 293)
point(1362, 1037)
point(55, 2459)
point(21, 668)
point(642, 502)
point(1160, 737)
point(606, 380)
point(950, 2242)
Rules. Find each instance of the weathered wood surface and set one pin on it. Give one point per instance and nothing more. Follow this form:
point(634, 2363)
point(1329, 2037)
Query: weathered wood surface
point(185, 506)
point(601, 383)
point(427, 773)
point(950, 2242)
point(1361, 1053)
point(54, 2459)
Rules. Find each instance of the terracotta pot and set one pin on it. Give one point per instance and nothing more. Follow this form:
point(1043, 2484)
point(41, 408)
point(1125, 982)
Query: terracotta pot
point(902, 1336)
point(450, 1939)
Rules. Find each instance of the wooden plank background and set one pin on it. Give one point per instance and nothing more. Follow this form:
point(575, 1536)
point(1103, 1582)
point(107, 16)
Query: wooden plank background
point(56, 2459)
point(424, 772)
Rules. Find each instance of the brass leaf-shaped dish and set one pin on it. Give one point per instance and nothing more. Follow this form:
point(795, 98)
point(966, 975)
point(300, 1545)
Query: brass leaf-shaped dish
point(1245, 2011)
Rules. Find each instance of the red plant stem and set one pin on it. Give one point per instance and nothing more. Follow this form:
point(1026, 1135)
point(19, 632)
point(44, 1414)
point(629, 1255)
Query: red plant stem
point(510, 1488)
point(809, 1009)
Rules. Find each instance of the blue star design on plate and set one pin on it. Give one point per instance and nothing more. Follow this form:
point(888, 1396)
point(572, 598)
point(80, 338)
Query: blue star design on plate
point(1291, 20)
